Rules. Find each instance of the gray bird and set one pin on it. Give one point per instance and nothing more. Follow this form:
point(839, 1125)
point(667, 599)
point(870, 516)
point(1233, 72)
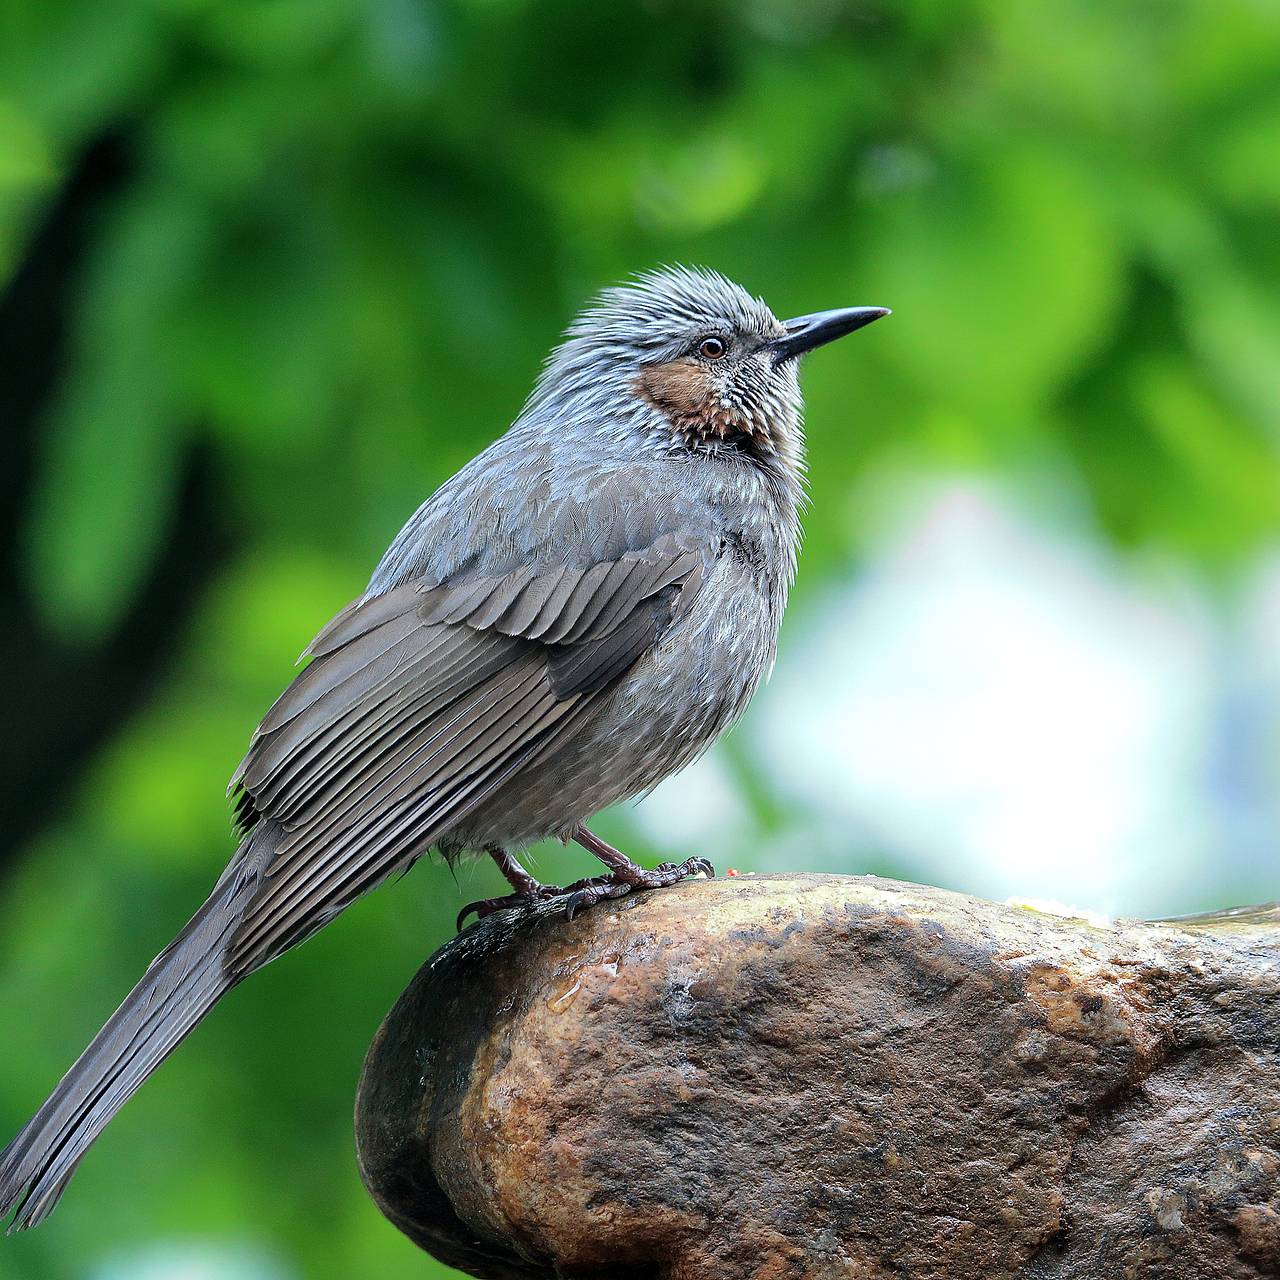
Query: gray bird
point(579, 612)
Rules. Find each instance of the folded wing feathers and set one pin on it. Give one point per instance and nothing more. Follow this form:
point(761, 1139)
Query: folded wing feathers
point(418, 704)
point(585, 668)
point(290, 770)
point(360, 616)
point(410, 807)
point(383, 648)
point(564, 604)
point(520, 617)
point(565, 582)
point(500, 597)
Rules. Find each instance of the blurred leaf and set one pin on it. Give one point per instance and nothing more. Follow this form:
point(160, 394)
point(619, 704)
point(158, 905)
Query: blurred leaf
point(1241, 156)
point(700, 183)
point(110, 473)
point(1218, 455)
point(109, 469)
point(27, 168)
point(276, 34)
point(1242, 337)
point(78, 64)
point(1003, 279)
point(26, 154)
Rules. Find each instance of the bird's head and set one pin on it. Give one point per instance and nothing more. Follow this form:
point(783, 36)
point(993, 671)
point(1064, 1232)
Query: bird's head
point(696, 360)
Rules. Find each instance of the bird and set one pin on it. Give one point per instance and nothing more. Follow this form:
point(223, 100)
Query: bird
point(576, 614)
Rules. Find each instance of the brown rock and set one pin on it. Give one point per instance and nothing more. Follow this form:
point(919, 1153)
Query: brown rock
point(812, 1077)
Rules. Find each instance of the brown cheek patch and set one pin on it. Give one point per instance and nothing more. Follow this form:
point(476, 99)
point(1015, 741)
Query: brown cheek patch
point(679, 388)
point(685, 392)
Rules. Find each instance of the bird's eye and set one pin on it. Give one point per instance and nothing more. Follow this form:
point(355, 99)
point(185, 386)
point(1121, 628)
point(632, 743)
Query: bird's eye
point(711, 348)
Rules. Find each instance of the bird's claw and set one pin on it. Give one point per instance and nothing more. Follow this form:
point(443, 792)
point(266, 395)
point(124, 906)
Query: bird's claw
point(625, 880)
point(527, 897)
point(523, 898)
point(689, 867)
point(594, 893)
point(584, 893)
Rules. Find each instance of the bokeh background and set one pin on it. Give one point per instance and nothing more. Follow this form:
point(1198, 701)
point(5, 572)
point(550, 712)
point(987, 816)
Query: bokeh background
point(272, 269)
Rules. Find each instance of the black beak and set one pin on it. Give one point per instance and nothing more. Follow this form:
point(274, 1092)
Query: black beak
point(806, 332)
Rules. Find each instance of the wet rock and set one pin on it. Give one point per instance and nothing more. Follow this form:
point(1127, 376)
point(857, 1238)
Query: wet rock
point(803, 1077)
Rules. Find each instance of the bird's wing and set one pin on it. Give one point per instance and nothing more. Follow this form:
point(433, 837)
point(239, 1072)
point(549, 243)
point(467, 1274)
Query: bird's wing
point(418, 703)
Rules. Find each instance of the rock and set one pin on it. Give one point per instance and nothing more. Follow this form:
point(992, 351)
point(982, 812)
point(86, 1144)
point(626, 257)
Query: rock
point(812, 1076)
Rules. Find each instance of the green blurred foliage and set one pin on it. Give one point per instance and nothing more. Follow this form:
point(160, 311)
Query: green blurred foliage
point(352, 230)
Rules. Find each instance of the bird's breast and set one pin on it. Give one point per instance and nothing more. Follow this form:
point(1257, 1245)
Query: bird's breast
point(703, 672)
point(661, 715)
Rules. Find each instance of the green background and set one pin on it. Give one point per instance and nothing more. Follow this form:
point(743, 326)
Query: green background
point(275, 268)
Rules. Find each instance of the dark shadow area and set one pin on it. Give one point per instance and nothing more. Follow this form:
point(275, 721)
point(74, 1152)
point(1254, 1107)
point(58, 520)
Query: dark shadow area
point(61, 699)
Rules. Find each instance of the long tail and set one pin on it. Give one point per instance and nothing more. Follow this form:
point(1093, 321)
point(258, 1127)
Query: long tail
point(179, 987)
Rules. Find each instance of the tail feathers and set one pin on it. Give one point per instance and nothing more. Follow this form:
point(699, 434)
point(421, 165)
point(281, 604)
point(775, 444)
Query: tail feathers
point(179, 987)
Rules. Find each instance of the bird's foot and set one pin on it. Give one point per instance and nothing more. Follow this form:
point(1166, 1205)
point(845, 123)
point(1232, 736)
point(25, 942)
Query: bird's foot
point(629, 878)
point(528, 896)
point(585, 893)
point(622, 877)
point(528, 891)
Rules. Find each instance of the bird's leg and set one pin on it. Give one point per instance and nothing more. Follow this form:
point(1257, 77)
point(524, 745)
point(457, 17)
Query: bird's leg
point(517, 877)
point(624, 875)
point(527, 890)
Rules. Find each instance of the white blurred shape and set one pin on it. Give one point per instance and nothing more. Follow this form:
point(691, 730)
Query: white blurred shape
point(1246, 776)
point(193, 1260)
point(700, 809)
point(1001, 707)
